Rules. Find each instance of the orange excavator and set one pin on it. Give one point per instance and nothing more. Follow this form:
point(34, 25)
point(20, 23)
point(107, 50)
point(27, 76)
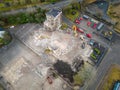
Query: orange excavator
point(75, 30)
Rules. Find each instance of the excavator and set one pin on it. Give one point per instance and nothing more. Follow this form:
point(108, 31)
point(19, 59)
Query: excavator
point(75, 30)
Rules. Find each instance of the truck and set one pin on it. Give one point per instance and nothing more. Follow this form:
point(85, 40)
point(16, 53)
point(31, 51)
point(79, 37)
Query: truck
point(100, 26)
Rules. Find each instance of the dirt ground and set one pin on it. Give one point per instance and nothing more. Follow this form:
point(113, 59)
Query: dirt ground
point(23, 66)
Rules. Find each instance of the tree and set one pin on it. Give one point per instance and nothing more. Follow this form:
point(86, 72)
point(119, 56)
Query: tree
point(7, 38)
point(78, 80)
point(1, 23)
point(64, 69)
point(83, 4)
point(42, 0)
point(22, 2)
point(11, 19)
point(28, 1)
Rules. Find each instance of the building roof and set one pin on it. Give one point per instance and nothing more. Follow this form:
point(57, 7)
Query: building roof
point(54, 12)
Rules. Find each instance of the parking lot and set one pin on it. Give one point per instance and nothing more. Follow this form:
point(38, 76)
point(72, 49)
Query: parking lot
point(103, 36)
point(90, 25)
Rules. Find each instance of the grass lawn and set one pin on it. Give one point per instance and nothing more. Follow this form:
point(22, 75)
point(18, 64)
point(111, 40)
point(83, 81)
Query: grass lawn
point(20, 6)
point(64, 26)
point(13, 5)
point(1, 87)
point(114, 13)
point(112, 76)
point(1, 5)
point(5, 40)
point(71, 16)
point(72, 11)
point(83, 75)
point(78, 80)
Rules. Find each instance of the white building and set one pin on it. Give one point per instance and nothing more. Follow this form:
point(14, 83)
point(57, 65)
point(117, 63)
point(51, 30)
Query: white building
point(54, 20)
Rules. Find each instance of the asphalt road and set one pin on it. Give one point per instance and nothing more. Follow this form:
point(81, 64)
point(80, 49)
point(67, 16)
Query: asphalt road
point(48, 6)
point(64, 19)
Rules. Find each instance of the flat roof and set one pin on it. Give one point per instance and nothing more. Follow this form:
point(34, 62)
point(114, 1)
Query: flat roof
point(54, 12)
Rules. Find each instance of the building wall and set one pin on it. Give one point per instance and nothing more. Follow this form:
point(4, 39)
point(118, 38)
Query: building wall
point(52, 23)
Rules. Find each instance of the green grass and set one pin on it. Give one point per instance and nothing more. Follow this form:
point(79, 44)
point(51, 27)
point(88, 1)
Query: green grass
point(21, 5)
point(78, 80)
point(112, 76)
point(68, 11)
point(114, 14)
point(18, 7)
point(64, 26)
point(71, 16)
point(2, 5)
point(83, 75)
point(1, 87)
point(5, 40)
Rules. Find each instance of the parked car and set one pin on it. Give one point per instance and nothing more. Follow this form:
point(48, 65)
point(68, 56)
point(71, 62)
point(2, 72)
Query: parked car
point(91, 42)
point(85, 17)
point(80, 30)
point(77, 21)
point(96, 33)
point(83, 45)
point(80, 18)
point(94, 26)
point(89, 35)
point(88, 23)
point(100, 26)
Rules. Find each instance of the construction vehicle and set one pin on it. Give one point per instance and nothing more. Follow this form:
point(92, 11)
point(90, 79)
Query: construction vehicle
point(75, 32)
